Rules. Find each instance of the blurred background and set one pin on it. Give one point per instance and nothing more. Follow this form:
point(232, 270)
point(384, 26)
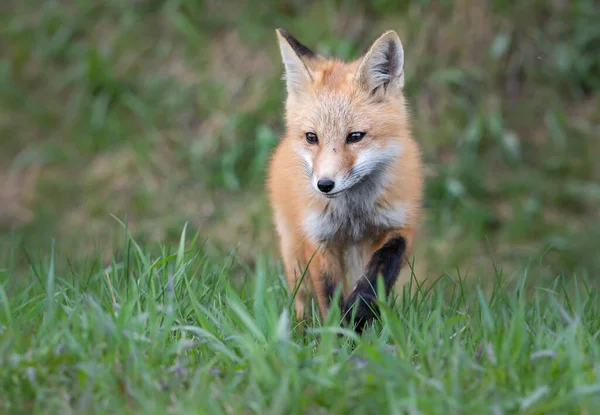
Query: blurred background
point(166, 111)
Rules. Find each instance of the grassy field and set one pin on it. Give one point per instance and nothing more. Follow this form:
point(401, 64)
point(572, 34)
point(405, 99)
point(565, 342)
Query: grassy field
point(162, 113)
point(167, 332)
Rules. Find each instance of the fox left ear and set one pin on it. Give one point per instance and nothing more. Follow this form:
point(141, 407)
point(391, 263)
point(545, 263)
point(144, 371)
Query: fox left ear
point(296, 58)
point(382, 68)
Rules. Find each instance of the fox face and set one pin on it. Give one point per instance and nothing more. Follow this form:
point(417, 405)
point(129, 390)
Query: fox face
point(344, 120)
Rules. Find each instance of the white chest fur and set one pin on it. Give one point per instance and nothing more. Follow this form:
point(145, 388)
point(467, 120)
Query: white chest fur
point(349, 219)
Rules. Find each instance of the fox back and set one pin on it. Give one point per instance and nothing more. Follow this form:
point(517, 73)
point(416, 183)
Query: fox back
point(347, 171)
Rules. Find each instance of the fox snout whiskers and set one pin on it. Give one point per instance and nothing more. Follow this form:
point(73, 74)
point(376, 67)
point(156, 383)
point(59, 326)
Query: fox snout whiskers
point(330, 188)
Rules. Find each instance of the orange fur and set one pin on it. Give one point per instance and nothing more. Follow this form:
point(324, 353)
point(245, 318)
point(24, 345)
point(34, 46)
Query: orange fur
point(332, 99)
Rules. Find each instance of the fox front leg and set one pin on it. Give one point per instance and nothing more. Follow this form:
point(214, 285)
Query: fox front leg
point(326, 272)
point(386, 260)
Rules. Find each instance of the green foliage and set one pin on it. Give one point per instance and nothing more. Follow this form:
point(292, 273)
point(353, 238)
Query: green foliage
point(166, 331)
point(116, 106)
point(170, 109)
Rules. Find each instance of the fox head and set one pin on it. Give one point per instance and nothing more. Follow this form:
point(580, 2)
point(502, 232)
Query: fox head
point(346, 120)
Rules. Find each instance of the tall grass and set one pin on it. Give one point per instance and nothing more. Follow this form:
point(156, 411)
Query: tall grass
point(166, 111)
point(166, 331)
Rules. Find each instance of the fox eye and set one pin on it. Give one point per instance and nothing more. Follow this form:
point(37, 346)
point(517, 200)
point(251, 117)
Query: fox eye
point(312, 138)
point(355, 137)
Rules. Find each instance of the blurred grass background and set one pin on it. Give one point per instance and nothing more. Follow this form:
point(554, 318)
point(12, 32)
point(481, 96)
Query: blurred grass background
point(166, 111)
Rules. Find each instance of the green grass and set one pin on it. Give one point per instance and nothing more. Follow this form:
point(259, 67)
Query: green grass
point(166, 111)
point(168, 331)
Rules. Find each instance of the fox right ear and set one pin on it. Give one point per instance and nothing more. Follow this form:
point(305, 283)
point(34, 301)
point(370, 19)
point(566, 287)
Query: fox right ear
point(295, 56)
point(382, 68)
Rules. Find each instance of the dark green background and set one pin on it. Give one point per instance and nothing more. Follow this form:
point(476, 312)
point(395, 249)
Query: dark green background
point(165, 112)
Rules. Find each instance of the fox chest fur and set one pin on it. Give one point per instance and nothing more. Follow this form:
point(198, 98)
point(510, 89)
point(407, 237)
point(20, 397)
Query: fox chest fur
point(358, 216)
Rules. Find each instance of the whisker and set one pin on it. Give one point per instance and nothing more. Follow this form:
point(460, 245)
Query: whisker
point(362, 172)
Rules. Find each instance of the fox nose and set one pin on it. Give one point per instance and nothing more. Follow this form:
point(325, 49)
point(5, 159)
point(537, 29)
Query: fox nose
point(326, 185)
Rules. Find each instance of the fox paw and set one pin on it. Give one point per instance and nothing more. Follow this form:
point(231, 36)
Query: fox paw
point(366, 309)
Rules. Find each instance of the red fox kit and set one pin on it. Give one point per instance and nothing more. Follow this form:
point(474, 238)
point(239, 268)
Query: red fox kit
point(345, 183)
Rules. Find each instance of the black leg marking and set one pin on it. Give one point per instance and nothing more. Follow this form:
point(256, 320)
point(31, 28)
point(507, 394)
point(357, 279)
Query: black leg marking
point(386, 261)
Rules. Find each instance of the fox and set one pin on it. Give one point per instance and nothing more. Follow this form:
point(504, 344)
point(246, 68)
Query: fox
point(345, 182)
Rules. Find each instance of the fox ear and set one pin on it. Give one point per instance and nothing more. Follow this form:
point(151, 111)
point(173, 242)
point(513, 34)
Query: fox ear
point(295, 56)
point(382, 68)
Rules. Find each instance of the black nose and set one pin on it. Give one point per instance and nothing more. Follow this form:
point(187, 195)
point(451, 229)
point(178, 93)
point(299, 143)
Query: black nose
point(325, 185)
